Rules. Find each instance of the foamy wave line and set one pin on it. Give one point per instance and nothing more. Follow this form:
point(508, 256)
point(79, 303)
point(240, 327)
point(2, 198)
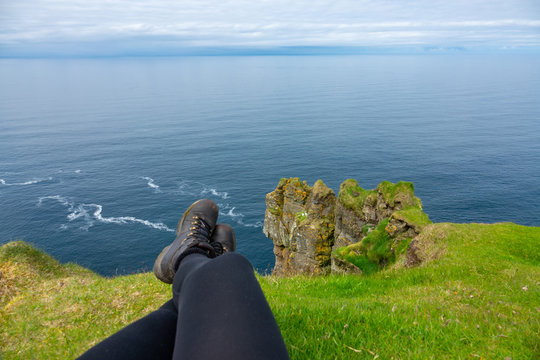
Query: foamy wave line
point(127, 219)
point(192, 188)
point(84, 211)
point(30, 182)
point(62, 200)
point(150, 182)
point(208, 190)
point(238, 217)
point(184, 188)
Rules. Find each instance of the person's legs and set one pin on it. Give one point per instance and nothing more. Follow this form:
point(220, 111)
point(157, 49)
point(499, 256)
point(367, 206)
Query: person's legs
point(218, 308)
point(222, 311)
point(151, 337)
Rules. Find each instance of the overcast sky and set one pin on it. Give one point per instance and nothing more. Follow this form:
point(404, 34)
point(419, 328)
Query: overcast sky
point(156, 26)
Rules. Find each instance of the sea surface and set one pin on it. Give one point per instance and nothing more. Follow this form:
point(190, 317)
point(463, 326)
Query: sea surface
point(100, 157)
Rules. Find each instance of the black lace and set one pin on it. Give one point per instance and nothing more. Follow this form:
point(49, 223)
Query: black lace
point(201, 231)
point(218, 247)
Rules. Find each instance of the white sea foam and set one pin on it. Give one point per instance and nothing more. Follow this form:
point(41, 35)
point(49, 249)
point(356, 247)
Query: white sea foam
point(232, 214)
point(238, 217)
point(150, 183)
point(258, 224)
point(208, 190)
point(128, 219)
point(194, 188)
point(62, 200)
point(89, 213)
point(75, 213)
point(78, 171)
point(30, 182)
point(184, 189)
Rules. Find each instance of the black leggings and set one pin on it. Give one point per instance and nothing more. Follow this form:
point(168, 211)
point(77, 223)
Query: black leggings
point(218, 311)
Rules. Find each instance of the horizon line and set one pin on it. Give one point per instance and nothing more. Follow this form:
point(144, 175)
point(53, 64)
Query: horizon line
point(267, 51)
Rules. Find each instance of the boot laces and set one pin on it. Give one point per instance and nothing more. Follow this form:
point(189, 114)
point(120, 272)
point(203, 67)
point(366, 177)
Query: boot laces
point(218, 247)
point(199, 229)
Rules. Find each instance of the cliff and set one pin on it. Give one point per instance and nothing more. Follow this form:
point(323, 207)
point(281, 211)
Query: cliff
point(360, 230)
point(300, 220)
point(479, 299)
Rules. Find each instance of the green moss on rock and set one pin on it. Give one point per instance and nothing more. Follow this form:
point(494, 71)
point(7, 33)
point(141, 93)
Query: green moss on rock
point(402, 192)
point(354, 197)
point(353, 257)
point(414, 217)
point(301, 216)
point(275, 211)
point(373, 252)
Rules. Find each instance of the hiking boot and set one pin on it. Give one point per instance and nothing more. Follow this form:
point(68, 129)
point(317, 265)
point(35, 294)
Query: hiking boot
point(223, 239)
point(193, 235)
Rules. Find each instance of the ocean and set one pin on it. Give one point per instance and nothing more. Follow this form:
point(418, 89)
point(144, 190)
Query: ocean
point(100, 157)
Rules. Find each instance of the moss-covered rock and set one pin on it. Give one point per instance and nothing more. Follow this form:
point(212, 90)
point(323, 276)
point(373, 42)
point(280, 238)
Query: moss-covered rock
point(407, 223)
point(354, 207)
point(394, 197)
point(367, 229)
point(399, 195)
point(353, 197)
point(374, 251)
point(300, 221)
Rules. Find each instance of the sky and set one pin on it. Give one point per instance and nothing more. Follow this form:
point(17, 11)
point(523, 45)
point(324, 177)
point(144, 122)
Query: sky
point(163, 27)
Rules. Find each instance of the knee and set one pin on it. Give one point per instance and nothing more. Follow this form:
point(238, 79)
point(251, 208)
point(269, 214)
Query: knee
point(232, 260)
point(226, 267)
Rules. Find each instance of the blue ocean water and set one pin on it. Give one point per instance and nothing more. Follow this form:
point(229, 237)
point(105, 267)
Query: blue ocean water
point(99, 157)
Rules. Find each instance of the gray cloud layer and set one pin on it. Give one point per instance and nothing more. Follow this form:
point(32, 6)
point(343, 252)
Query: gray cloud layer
point(38, 24)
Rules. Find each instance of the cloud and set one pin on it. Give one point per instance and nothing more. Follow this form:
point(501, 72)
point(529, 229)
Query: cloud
point(209, 23)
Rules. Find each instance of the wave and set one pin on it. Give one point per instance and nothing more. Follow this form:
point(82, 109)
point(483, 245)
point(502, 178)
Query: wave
point(150, 183)
point(208, 190)
point(238, 217)
point(90, 213)
point(184, 189)
point(196, 189)
point(128, 219)
point(30, 182)
point(62, 200)
point(61, 171)
point(193, 188)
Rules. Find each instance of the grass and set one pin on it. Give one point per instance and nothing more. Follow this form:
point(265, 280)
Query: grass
point(481, 300)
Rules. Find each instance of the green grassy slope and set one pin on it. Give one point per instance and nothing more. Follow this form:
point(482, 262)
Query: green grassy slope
point(481, 299)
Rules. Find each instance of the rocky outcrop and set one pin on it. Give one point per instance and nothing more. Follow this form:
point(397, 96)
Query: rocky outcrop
point(300, 221)
point(309, 224)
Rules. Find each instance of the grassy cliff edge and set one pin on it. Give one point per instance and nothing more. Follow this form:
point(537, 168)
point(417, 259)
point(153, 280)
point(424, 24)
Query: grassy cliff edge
point(481, 299)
